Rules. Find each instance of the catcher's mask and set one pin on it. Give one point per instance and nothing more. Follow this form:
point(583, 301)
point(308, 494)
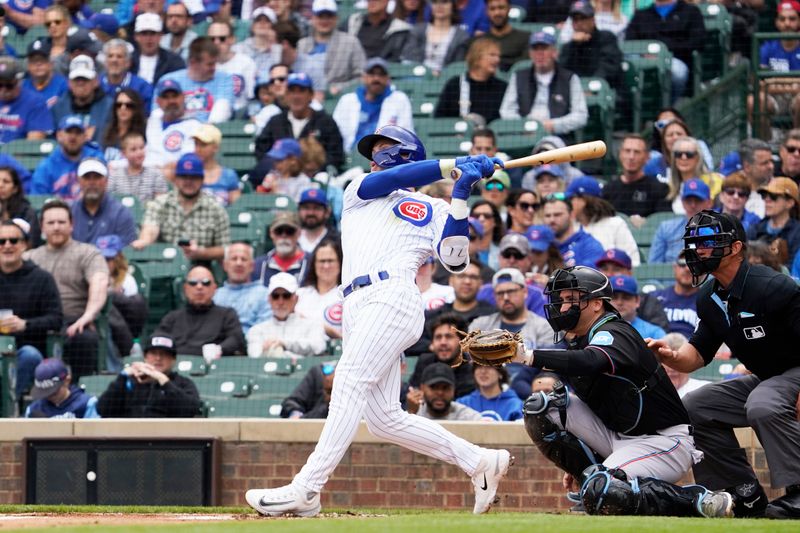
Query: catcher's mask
point(591, 285)
point(713, 231)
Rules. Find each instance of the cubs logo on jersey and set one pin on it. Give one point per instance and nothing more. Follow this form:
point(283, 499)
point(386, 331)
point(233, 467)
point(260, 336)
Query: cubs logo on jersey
point(173, 141)
point(333, 314)
point(414, 211)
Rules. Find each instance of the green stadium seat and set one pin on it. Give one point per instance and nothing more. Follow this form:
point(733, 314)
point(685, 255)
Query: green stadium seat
point(712, 62)
point(654, 272)
point(653, 61)
point(192, 365)
point(220, 387)
point(265, 202)
point(517, 136)
point(633, 89)
point(274, 386)
point(8, 400)
point(37, 200)
point(644, 235)
point(242, 365)
point(517, 14)
point(716, 370)
point(96, 385)
point(600, 102)
point(244, 408)
point(158, 252)
point(133, 204)
point(302, 365)
point(156, 281)
point(400, 71)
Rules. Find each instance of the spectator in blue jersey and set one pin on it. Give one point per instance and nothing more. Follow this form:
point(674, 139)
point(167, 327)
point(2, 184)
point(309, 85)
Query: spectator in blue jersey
point(118, 73)
point(24, 14)
point(208, 92)
point(221, 182)
point(169, 129)
point(57, 174)
point(96, 213)
point(42, 77)
point(515, 252)
point(668, 240)
point(78, 10)
point(733, 198)
point(679, 300)
point(782, 56)
point(79, 43)
point(576, 246)
point(103, 26)
point(55, 396)
point(626, 300)
point(5, 48)
point(491, 397)
point(23, 113)
point(84, 98)
point(150, 61)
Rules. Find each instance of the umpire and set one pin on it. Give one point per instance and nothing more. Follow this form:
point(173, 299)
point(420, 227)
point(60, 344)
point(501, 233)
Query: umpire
point(621, 431)
point(756, 312)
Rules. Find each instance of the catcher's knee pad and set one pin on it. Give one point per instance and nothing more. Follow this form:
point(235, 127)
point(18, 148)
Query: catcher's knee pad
point(607, 492)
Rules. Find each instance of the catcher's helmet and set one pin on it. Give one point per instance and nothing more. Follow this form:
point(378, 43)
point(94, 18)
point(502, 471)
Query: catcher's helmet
point(714, 231)
point(408, 148)
point(592, 285)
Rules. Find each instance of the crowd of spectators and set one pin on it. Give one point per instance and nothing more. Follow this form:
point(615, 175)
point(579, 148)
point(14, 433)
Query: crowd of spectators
point(135, 103)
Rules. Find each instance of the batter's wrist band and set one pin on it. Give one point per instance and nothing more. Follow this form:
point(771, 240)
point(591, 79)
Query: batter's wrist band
point(446, 166)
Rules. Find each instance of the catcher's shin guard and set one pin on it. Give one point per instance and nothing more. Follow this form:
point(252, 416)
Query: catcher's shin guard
point(609, 492)
point(564, 449)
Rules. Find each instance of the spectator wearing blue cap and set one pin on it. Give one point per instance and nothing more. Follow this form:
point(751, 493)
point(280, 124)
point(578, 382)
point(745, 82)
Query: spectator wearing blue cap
point(128, 314)
point(380, 34)
point(103, 26)
point(179, 34)
point(57, 174)
point(546, 91)
point(97, 213)
point(668, 240)
point(186, 216)
point(634, 192)
point(340, 54)
point(286, 176)
point(545, 180)
point(121, 280)
point(169, 128)
point(374, 103)
point(41, 76)
point(598, 217)
point(626, 300)
point(270, 96)
point(545, 257)
point(118, 73)
point(23, 112)
point(56, 396)
point(150, 61)
point(314, 213)
point(319, 124)
point(577, 247)
point(209, 93)
point(84, 98)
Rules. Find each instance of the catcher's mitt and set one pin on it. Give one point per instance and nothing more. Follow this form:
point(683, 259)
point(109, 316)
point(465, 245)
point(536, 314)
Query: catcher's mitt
point(491, 348)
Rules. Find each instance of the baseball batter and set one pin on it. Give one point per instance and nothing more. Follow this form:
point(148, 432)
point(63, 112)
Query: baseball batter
point(621, 431)
point(388, 231)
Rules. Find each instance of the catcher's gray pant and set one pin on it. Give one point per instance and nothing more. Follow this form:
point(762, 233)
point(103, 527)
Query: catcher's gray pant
point(379, 322)
point(667, 455)
point(768, 406)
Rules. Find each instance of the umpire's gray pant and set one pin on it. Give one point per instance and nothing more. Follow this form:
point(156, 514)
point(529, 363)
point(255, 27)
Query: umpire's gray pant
point(768, 406)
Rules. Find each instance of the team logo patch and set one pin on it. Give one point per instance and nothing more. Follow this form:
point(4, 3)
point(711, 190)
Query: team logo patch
point(604, 338)
point(756, 332)
point(23, 5)
point(435, 303)
point(417, 212)
point(238, 84)
point(173, 141)
point(333, 314)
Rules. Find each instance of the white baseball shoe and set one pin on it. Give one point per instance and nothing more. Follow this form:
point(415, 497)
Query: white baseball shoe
point(717, 504)
point(492, 468)
point(286, 500)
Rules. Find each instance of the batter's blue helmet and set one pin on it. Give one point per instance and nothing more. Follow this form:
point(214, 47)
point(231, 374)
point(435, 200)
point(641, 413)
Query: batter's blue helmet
point(408, 148)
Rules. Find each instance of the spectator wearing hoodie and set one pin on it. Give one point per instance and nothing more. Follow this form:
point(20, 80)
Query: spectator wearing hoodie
point(55, 396)
point(490, 398)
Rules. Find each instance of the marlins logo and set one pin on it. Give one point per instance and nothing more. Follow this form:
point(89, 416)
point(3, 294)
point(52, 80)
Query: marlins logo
point(417, 212)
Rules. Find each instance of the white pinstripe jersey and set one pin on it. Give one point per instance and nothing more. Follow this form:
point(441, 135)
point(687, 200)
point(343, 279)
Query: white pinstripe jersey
point(395, 233)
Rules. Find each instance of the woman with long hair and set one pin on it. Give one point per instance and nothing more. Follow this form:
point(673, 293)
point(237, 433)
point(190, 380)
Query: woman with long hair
point(439, 42)
point(57, 21)
point(222, 182)
point(687, 163)
point(319, 297)
point(128, 116)
point(412, 11)
point(488, 246)
point(660, 147)
point(13, 204)
point(522, 210)
point(599, 218)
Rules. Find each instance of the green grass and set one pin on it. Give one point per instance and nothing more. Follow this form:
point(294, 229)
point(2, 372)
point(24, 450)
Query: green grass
point(419, 521)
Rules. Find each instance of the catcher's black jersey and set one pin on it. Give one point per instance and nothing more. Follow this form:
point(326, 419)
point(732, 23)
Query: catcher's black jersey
point(624, 385)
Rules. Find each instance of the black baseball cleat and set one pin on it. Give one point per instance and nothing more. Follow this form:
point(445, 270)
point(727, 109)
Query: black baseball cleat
point(749, 500)
point(787, 507)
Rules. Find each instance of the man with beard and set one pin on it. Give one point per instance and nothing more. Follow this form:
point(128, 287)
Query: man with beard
point(84, 98)
point(513, 42)
point(444, 348)
point(515, 252)
point(187, 217)
point(178, 36)
point(576, 246)
point(375, 103)
point(202, 322)
point(314, 212)
point(57, 175)
point(169, 130)
point(438, 391)
point(97, 213)
point(286, 256)
point(510, 293)
point(248, 298)
point(757, 166)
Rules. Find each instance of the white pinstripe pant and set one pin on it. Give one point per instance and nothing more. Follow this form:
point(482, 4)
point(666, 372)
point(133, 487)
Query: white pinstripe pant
point(379, 322)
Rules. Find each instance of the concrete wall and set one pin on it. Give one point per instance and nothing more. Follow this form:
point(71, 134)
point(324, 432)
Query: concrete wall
point(265, 453)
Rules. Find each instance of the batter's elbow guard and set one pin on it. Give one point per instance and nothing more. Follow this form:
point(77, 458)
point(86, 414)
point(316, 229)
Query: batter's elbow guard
point(454, 253)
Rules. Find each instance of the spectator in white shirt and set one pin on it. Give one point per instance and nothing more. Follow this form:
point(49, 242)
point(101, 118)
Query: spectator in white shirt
point(286, 334)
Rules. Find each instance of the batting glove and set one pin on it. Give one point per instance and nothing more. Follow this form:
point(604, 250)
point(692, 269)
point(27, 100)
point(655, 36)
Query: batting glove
point(485, 163)
point(470, 174)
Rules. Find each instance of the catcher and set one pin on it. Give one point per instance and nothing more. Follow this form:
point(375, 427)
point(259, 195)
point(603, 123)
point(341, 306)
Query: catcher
point(620, 432)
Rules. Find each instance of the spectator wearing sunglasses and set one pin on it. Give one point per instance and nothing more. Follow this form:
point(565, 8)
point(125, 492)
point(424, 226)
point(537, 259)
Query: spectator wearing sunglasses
point(187, 216)
point(680, 299)
point(23, 112)
point(201, 321)
point(311, 397)
point(790, 156)
point(286, 256)
point(522, 207)
point(286, 334)
point(733, 199)
point(687, 163)
point(545, 180)
point(486, 245)
point(495, 190)
point(782, 207)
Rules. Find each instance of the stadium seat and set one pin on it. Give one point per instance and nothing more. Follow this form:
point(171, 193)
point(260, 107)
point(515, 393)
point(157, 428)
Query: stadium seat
point(401, 71)
point(133, 204)
point(601, 103)
point(517, 136)
point(274, 386)
point(712, 62)
point(241, 365)
point(265, 202)
point(221, 387)
point(716, 370)
point(37, 200)
point(644, 235)
point(653, 61)
point(244, 407)
point(8, 347)
point(96, 385)
point(660, 273)
point(302, 365)
point(192, 365)
point(633, 88)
